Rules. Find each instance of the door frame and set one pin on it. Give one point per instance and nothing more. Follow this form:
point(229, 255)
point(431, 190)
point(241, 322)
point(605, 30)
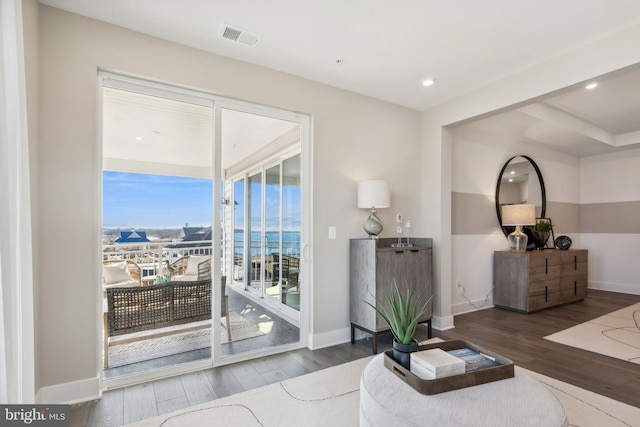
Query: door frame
point(217, 102)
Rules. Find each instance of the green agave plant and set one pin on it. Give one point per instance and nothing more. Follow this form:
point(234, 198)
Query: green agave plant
point(405, 312)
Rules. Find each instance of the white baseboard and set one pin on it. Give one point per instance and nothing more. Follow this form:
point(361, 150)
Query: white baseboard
point(442, 323)
point(466, 307)
point(328, 339)
point(622, 288)
point(70, 393)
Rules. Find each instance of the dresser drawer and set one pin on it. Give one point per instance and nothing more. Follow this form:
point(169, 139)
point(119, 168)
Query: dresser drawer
point(574, 287)
point(545, 293)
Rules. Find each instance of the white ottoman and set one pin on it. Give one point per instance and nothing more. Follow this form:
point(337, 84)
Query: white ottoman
point(386, 400)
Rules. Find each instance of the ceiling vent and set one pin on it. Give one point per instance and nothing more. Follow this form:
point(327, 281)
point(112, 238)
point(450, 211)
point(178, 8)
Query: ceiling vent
point(239, 35)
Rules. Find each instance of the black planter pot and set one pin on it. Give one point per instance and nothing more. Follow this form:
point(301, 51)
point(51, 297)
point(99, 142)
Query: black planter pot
point(540, 238)
point(402, 352)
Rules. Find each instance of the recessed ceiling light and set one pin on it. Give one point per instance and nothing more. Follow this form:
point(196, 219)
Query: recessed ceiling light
point(138, 138)
point(591, 85)
point(428, 82)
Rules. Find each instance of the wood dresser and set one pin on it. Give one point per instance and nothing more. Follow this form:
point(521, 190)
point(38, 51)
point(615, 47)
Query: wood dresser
point(530, 281)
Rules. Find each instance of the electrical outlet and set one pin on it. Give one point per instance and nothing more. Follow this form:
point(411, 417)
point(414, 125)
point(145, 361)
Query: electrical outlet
point(459, 287)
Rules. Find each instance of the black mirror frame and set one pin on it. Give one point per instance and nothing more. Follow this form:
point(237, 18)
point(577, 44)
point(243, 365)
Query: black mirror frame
point(507, 230)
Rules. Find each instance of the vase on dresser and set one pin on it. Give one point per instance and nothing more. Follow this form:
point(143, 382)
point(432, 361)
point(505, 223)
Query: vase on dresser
point(540, 238)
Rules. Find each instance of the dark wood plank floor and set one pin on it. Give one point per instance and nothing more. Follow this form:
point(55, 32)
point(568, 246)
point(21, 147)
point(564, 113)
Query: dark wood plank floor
point(520, 338)
point(514, 335)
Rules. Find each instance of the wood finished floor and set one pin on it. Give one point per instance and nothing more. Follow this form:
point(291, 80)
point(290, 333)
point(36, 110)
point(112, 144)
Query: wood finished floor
point(514, 335)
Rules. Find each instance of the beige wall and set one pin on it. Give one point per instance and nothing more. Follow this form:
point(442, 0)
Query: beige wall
point(354, 138)
point(610, 219)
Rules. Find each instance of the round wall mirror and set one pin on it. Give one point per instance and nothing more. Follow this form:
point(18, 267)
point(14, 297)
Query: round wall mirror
point(520, 182)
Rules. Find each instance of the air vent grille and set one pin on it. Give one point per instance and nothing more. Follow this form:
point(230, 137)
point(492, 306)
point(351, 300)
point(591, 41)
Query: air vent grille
point(241, 36)
point(231, 33)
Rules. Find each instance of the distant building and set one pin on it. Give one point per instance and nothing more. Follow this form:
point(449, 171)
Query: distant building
point(132, 237)
point(192, 241)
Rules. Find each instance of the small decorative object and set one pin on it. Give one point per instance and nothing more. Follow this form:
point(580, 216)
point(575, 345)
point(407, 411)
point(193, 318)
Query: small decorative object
point(405, 313)
point(518, 215)
point(371, 195)
point(400, 244)
point(563, 243)
point(541, 231)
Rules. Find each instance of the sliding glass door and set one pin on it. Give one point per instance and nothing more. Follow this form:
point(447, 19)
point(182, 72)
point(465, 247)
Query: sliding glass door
point(220, 206)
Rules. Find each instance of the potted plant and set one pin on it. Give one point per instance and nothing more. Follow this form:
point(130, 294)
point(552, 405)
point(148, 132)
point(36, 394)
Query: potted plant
point(540, 232)
point(402, 315)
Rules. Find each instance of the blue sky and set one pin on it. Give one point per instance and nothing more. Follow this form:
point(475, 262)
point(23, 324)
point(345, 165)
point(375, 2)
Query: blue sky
point(141, 201)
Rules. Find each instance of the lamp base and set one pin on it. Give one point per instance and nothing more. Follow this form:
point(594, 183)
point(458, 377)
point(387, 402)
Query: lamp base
point(373, 225)
point(518, 240)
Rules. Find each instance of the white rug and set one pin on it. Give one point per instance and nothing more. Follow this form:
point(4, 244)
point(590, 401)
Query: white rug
point(331, 397)
point(152, 348)
point(615, 334)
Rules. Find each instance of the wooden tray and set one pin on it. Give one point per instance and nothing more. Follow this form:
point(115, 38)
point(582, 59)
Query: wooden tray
point(503, 371)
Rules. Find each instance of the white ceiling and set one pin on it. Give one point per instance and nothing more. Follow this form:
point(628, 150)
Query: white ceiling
point(579, 122)
point(385, 49)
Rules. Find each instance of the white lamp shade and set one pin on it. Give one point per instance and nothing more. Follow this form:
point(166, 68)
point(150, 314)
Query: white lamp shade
point(518, 215)
point(373, 194)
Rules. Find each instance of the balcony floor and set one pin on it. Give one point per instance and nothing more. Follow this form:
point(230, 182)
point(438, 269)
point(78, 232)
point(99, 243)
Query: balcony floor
point(277, 331)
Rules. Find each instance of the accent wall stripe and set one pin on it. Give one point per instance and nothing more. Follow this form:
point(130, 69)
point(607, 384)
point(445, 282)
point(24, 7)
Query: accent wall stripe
point(617, 218)
point(476, 214)
point(473, 214)
point(565, 217)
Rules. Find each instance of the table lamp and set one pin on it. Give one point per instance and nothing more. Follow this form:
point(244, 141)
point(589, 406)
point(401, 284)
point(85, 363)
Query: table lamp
point(518, 215)
point(373, 195)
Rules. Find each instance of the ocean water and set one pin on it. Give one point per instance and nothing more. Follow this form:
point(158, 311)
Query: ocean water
point(290, 242)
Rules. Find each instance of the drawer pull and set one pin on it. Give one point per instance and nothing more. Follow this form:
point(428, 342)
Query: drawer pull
point(575, 262)
point(546, 294)
point(575, 287)
point(546, 266)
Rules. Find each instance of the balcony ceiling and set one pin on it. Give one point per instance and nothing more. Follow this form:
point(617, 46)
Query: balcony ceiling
point(149, 134)
point(385, 49)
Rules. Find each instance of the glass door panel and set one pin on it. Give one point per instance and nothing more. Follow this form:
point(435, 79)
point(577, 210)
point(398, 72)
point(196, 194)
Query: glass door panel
point(161, 181)
point(239, 268)
point(266, 246)
point(273, 260)
point(291, 230)
point(256, 238)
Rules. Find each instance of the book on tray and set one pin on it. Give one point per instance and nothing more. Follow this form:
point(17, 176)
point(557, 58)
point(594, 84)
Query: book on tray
point(435, 363)
point(472, 359)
